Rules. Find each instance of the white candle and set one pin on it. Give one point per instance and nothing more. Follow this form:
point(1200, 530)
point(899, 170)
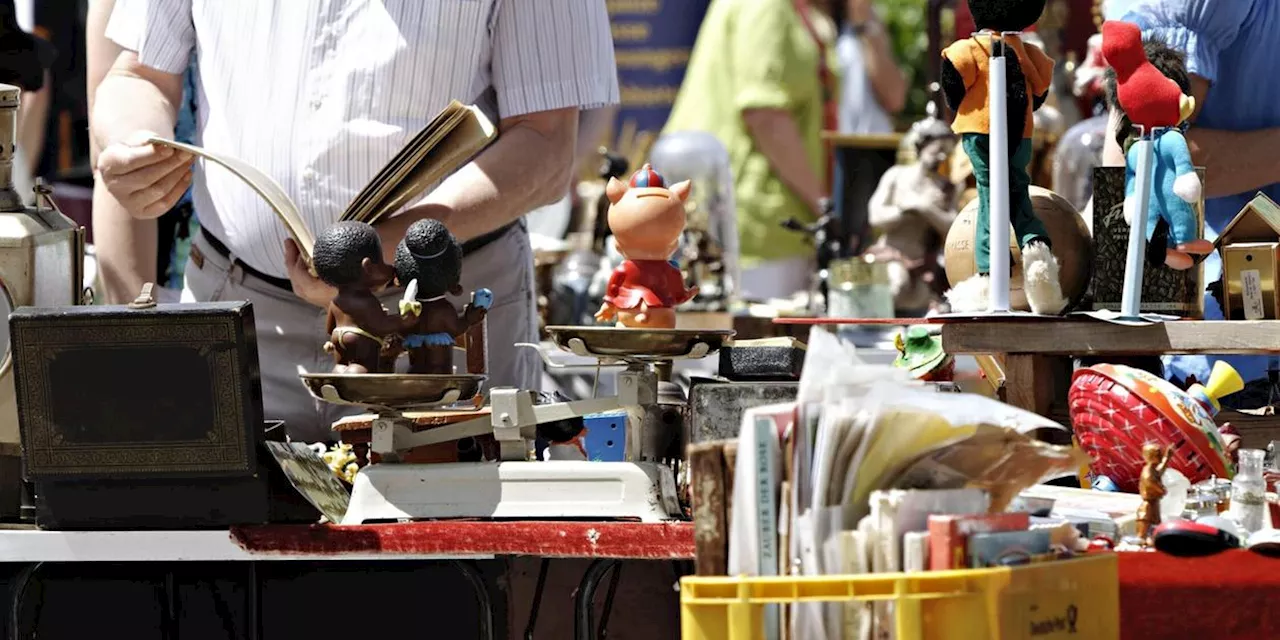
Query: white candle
point(1131, 301)
point(998, 168)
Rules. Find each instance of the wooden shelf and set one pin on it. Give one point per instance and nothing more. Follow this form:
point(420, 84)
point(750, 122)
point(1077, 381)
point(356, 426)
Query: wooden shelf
point(882, 142)
point(1096, 338)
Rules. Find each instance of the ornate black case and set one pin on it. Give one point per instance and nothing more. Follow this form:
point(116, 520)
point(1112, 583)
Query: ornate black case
point(142, 417)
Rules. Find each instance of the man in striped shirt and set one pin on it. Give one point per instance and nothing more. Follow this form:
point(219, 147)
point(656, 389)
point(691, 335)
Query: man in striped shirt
point(320, 94)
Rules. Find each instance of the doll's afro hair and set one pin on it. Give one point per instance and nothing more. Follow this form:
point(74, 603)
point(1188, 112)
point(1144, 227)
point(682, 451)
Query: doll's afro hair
point(1171, 62)
point(340, 250)
point(430, 254)
point(1006, 15)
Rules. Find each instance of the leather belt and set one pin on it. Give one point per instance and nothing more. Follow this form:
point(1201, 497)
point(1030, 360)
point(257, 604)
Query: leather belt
point(222, 250)
point(479, 242)
point(469, 247)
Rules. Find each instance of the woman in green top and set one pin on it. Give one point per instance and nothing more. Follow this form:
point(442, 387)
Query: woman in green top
point(758, 81)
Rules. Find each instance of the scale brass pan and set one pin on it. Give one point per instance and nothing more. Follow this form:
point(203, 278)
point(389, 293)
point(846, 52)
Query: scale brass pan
point(392, 390)
point(640, 344)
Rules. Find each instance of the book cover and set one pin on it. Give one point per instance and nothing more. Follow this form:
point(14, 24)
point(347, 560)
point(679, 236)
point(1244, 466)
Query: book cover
point(1007, 548)
point(949, 535)
point(450, 140)
point(710, 535)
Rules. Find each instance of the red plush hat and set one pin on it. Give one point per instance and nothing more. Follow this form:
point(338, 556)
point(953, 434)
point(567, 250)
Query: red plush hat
point(647, 177)
point(1147, 96)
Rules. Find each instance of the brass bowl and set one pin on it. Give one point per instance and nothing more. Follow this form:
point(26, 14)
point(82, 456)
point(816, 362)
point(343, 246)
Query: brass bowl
point(639, 344)
point(391, 390)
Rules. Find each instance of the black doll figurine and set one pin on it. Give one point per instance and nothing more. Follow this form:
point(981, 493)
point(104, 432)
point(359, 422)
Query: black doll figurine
point(429, 265)
point(965, 68)
point(348, 255)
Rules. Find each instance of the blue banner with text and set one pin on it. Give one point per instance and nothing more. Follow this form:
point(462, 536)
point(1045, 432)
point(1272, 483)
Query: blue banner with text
point(652, 40)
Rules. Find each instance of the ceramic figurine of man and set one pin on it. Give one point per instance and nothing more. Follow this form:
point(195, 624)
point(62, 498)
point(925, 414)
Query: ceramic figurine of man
point(430, 259)
point(348, 255)
point(911, 212)
point(1151, 488)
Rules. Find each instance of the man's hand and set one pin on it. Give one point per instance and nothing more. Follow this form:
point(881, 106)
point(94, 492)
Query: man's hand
point(305, 285)
point(147, 179)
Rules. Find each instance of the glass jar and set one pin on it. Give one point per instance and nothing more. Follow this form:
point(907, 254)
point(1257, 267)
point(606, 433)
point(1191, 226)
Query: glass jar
point(859, 288)
point(1249, 493)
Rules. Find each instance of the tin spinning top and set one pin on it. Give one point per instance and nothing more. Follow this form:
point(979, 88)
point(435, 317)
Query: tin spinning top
point(1116, 410)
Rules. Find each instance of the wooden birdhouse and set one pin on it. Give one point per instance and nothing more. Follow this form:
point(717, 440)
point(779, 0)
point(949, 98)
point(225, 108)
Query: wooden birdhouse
point(1250, 249)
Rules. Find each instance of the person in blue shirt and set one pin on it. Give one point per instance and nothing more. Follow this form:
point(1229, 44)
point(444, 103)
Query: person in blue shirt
point(1231, 48)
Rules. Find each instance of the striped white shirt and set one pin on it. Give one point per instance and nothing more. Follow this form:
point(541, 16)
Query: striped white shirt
point(320, 94)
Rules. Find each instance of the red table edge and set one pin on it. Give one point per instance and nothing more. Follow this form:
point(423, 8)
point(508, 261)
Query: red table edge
point(547, 539)
point(893, 322)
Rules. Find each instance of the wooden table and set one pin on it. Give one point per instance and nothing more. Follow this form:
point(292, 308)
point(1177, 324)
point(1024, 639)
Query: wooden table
point(1037, 355)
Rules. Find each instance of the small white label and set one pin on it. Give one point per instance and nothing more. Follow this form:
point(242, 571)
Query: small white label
point(1251, 286)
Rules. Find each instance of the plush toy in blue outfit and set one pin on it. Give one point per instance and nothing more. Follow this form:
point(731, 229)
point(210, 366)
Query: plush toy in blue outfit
point(1149, 86)
point(1175, 189)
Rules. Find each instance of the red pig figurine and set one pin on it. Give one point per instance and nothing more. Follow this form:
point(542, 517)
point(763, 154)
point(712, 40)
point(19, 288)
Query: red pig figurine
point(647, 220)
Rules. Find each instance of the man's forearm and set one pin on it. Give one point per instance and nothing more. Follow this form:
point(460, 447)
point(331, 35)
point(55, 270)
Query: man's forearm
point(592, 125)
point(33, 120)
point(126, 248)
point(127, 102)
point(528, 166)
point(776, 135)
point(1236, 161)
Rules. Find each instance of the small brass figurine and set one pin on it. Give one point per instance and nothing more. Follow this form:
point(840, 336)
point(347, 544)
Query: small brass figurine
point(1151, 488)
point(647, 220)
point(429, 265)
point(348, 255)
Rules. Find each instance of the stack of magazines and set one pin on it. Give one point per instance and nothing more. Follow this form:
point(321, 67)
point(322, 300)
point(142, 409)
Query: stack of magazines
point(856, 475)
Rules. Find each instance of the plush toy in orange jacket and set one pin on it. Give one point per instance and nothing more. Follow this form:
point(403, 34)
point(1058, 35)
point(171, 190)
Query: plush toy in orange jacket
point(647, 220)
point(1029, 72)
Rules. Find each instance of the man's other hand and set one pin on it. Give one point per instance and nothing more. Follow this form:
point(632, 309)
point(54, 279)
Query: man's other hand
point(147, 179)
point(306, 285)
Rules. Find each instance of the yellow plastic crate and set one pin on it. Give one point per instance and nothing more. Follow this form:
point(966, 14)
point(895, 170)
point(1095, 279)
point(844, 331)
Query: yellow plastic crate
point(1068, 599)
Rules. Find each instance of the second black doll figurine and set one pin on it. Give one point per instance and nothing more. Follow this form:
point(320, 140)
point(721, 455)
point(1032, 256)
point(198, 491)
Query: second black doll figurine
point(430, 260)
point(348, 255)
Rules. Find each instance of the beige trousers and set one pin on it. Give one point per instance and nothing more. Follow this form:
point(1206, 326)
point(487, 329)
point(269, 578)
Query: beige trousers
point(291, 332)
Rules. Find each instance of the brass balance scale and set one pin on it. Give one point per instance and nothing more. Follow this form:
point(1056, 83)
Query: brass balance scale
point(517, 486)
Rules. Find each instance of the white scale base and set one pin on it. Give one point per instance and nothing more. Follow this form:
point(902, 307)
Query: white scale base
point(514, 490)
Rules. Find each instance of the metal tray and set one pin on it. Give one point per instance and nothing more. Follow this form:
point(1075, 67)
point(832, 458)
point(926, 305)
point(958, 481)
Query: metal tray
point(638, 344)
point(392, 390)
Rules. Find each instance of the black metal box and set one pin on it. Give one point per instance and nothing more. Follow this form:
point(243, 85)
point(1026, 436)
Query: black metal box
point(142, 417)
point(1164, 290)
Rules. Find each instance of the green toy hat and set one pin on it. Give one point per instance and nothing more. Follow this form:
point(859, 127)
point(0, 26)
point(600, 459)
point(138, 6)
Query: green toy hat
point(921, 352)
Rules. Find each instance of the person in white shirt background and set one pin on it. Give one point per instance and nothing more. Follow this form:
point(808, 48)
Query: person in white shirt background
point(320, 94)
point(343, 87)
point(873, 87)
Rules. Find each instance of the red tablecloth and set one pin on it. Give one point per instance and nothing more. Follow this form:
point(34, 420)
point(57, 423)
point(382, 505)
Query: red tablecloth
point(1222, 597)
point(636, 540)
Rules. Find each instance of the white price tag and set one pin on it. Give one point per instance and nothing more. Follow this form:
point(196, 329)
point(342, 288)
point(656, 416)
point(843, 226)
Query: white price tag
point(1251, 290)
